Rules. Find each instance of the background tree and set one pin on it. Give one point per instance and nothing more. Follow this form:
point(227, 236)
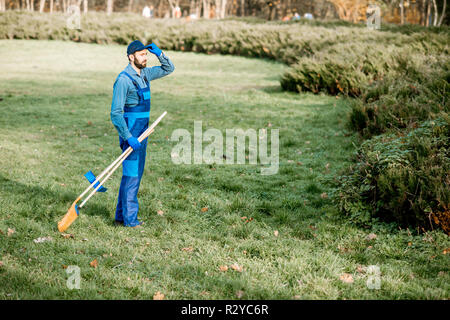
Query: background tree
point(109, 6)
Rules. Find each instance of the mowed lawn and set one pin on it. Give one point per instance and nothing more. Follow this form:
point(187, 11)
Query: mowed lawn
point(211, 231)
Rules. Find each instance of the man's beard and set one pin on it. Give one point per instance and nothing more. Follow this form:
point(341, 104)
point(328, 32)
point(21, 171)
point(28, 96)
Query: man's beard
point(139, 65)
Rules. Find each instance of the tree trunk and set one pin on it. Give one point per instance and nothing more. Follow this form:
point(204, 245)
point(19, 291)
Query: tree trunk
point(243, 8)
point(422, 12)
point(2, 5)
point(85, 6)
point(130, 5)
point(436, 13)
point(402, 13)
point(206, 7)
point(443, 13)
point(172, 8)
point(109, 7)
point(427, 23)
point(41, 6)
point(198, 8)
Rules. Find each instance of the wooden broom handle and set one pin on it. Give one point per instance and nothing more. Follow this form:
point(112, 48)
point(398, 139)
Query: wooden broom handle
point(125, 154)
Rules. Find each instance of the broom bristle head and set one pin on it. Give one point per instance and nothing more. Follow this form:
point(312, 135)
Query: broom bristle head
point(69, 218)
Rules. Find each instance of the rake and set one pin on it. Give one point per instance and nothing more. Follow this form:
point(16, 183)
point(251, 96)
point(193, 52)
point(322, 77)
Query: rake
point(72, 213)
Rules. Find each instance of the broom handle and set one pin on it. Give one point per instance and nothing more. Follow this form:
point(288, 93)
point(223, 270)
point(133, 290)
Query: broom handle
point(144, 135)
point(126, 154)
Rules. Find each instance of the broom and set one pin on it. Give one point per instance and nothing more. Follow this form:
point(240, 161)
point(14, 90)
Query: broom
point(72, 213)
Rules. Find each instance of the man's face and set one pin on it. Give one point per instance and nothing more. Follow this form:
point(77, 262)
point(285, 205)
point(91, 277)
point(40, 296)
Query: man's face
point(139, 58)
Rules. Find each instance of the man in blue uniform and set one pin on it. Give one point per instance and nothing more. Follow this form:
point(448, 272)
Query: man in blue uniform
point(130, 113)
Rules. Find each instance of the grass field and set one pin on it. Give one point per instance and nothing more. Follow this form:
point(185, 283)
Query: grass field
point(55, 101)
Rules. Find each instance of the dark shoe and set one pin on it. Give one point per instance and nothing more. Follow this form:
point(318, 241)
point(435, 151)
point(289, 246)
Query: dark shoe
point(139, 226)
point(118, 223)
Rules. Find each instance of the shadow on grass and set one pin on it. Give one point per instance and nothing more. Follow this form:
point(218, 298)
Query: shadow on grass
point(37, 199)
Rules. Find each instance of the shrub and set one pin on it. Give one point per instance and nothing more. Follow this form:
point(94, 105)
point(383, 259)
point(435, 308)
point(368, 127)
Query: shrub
point(400, 177)
point(415, 90)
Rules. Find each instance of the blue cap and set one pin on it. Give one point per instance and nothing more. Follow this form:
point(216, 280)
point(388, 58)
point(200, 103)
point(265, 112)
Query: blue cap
point(136, 45)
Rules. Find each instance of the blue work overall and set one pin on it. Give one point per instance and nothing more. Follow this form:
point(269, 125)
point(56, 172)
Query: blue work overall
point(137, 119)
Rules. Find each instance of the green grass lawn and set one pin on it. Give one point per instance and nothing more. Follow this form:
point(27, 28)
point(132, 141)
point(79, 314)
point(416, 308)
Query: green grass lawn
point(55, 101)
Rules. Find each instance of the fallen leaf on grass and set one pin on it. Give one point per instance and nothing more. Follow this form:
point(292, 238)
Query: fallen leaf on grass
point(11, 232)
point(343, 249)
point(67, 235)
point(371, 236)
point(446, 251)
point(245, 219)
point(188, 249)
point(324, 195)
point(205, 209)
point(239, 294)
point(223, 268)
point(160, 212)
point(275, 233)
point(236, 267)
point(346, 277)
point(94, 263)
point(158, 296)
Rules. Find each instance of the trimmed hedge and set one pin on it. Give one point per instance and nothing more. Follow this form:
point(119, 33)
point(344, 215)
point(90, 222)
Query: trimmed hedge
point(416, 90)
point(353, 66)
point(334, 57)
point(402, 178)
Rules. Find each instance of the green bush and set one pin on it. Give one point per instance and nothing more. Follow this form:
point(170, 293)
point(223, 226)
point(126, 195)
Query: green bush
point(400, 177)
point(351, 67)
point(334, 57)
point(415, 90)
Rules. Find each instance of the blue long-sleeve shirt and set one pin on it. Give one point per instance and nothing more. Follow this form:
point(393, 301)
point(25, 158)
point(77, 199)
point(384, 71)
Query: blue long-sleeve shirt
point(125, 94)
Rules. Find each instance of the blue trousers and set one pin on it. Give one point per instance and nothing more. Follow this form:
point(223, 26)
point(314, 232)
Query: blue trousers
point(133, 169)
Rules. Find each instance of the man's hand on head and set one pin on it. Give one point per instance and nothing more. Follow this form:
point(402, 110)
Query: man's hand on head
point(153, 48)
